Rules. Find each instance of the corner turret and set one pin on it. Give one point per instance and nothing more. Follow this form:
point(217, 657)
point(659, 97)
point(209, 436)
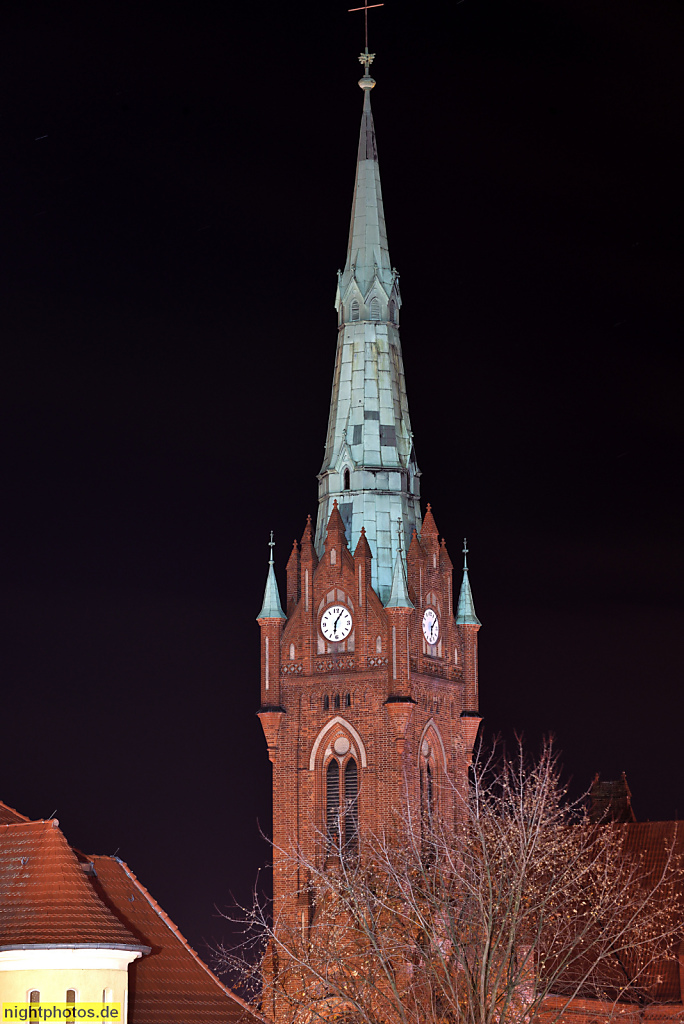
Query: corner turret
point(468, 626)
point(465, 612)
point(271, 619)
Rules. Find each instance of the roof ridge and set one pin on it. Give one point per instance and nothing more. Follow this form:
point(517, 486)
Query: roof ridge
point(176, 931)
point(53, 822)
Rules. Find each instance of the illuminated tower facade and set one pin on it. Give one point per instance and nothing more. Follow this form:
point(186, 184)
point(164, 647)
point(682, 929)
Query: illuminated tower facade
point(369, 689)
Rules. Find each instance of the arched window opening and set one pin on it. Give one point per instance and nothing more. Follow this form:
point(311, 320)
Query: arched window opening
point(345, 479)
point(347, 700)
point(71, 995)
point(351, 806)
point(337, 702)
point(332, 803)
point(393, 311)
point(326, 703)
point(34, 996)
point(354, 310)
point(375, 309)
point(333, 556)
point(342, 799)
point(292, 652)
point(378, 645)
point(427, 786)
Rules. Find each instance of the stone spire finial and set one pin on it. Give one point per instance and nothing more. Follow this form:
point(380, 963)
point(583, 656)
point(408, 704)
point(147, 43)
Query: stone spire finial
point(367, 82)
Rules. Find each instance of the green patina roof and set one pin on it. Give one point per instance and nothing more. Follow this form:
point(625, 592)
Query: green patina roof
point(271, 608)
point(465, 613)
point(369, 465)
point(399, 595)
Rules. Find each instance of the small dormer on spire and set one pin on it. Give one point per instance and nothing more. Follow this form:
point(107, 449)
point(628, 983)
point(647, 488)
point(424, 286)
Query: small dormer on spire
point(271, 608)
point(399, 595)
point(465, 613)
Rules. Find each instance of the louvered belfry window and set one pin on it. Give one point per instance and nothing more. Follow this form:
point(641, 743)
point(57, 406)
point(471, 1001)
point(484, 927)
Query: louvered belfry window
point(351, 806)
point(332, 798)
point(342, 815)
point(375, 309)
point(354, 310)
point(427, 792)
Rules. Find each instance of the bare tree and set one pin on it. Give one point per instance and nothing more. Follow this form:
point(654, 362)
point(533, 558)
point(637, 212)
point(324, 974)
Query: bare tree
point(509, 916)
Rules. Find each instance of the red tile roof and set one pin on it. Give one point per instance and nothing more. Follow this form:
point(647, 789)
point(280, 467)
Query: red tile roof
point(655, 840)
point(45, 896)
point(171, 983)
point(8, 816)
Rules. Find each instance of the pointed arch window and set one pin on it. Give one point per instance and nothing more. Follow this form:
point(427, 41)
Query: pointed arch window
point(341, 805)
point(427, 785)
point(393, 311)
point(351, 806)
point(332, 802)
point(354, 310)
point(375, 308)
point(346, 479)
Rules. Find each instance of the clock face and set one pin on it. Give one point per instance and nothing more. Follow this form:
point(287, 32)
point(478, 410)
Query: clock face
point(430, 626)
point(336, 623)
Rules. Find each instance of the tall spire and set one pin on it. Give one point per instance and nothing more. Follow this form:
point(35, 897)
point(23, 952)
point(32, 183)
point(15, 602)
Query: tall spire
point(369, 464)
point(367, 251)
point(271, 608)
point(465, 613)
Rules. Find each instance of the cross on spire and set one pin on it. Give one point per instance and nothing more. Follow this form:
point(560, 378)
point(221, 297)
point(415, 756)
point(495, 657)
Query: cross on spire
point(366, 58)
point(271, 545)
point(465, 553)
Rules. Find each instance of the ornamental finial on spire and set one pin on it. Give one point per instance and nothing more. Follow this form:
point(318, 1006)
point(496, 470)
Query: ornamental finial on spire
point(366, 7)
point(366, 82)
point(465, 553)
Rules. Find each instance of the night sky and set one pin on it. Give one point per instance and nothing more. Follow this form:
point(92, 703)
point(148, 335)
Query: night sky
point(176, 185)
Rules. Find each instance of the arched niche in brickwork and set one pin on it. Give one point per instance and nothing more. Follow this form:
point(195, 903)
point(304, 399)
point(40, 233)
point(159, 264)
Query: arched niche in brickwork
point(341, 725)
point(429, 731)
point(335, 596)
point(432, 772)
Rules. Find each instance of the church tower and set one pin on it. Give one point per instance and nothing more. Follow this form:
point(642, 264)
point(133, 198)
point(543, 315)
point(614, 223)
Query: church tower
point(369, 691)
